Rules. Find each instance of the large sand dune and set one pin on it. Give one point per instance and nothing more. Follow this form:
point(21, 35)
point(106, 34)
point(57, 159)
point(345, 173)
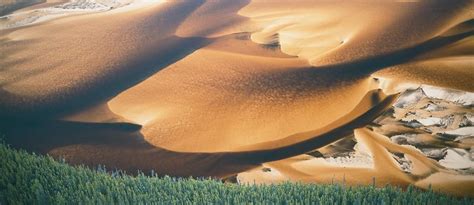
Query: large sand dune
point(218, 88)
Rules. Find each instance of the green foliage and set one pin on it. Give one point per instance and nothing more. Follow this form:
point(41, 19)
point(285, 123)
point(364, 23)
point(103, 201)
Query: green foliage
point(31, 179)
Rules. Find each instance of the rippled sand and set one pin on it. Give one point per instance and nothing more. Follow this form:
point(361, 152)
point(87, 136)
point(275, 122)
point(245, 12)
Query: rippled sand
point(250, 90)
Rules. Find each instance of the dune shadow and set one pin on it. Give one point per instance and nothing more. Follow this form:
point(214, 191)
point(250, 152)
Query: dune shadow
point(307, 79)
point(140, 68)
point(121, 146)
point(141, 65)
point(369, 65)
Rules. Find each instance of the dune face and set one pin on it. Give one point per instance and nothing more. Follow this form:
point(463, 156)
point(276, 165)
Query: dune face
point(314, 91)
point(408, 144)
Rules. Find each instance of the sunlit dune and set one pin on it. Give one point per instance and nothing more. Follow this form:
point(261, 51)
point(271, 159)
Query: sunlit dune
point(383, 170)
point(358, 92)
point(326, 33)
point(235, 100)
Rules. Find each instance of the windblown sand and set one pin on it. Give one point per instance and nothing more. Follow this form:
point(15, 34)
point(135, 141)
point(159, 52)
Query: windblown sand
point(315, 91)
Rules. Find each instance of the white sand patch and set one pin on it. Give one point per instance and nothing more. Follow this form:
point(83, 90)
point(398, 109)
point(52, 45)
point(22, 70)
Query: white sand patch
point(430, 121)
point(410, 98)
point(353, 160)
point(362, 157)
point(463, 131)
point(457, 159)
point(434, 152)
point(72, 7)
point(405, 139)
point(461, 97)
point(433, 107)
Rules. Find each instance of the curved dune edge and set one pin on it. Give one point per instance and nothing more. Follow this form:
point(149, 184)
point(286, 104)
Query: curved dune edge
point(371, 99)
point(234, 100)
point(37, 85)
point(439, 55)
point(385, 170)
point(127, 150)
point(326, 33)
point(455, 73)
point(120, 145)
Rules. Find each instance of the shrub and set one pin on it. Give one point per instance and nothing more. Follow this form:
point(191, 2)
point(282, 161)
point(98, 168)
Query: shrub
point(34, 179)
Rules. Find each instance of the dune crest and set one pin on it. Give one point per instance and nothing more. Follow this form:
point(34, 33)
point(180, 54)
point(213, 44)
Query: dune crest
point(425, 173)
point(328, 33)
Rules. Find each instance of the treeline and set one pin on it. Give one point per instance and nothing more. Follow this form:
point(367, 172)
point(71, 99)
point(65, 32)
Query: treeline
point(33, 179)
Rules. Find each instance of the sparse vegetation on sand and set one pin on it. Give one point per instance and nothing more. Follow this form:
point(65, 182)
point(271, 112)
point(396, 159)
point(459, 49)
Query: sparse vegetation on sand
point(34, 179)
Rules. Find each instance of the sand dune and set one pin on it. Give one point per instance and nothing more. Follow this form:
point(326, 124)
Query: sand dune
point(218, 88)
point(385, 170)
point(410, 150)
point(120, 145)
point(123, 54)
point(326, 33)
point(232, 105)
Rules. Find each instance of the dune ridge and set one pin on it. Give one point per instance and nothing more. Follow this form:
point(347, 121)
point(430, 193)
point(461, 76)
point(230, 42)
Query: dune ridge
point(385, 170)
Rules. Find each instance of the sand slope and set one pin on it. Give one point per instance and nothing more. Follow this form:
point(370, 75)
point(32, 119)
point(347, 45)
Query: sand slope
point(383, 170)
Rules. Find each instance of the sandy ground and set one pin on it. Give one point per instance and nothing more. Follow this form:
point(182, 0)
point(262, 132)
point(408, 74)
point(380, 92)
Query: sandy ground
point(425, 139)
point(266, 92)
